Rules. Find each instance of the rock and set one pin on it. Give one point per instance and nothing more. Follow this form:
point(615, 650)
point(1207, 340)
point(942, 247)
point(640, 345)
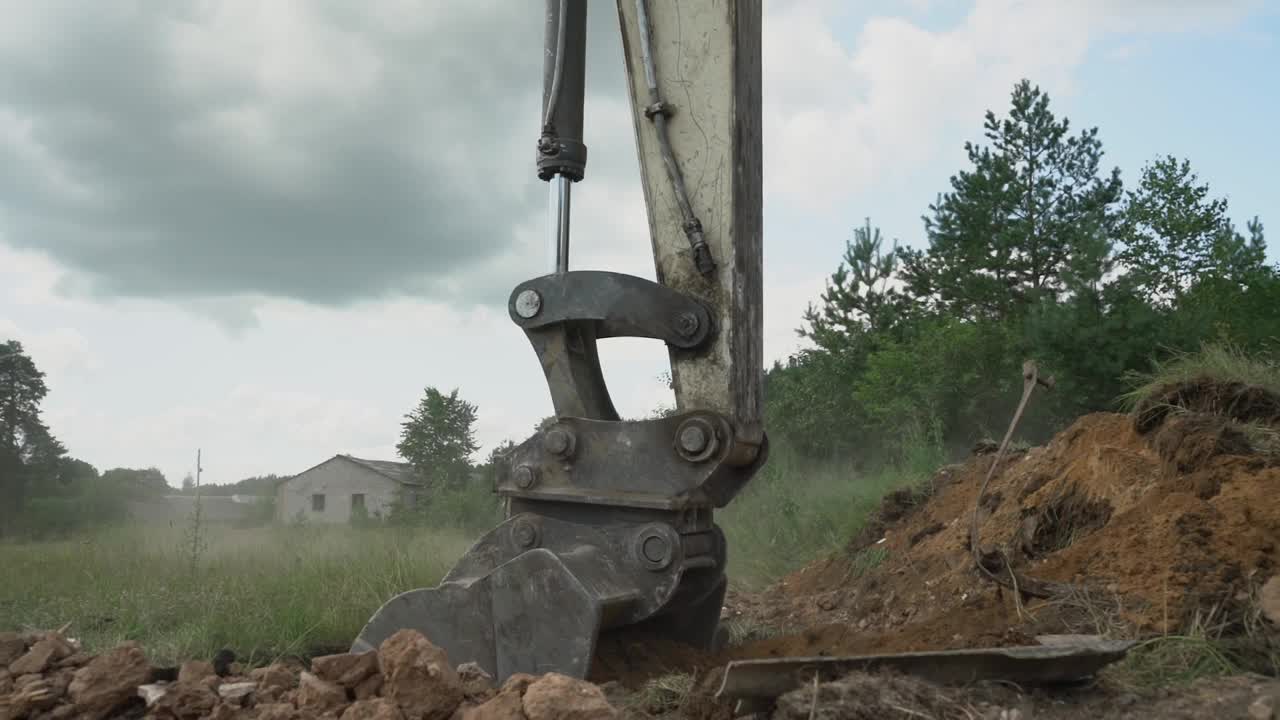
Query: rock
point(193, 670)
point(276, 711)
point(60, 680)
point(185, 700)
point(371, 686)
point(30, 694)
point(506, 705)
point(152, 692)
point(1269, 599)
point(1264, 707)
point(346, 669)
point(519, 682)
point(109, 680)
point(273, 681)
point(236, 692)
point(12, 647)
point(74, 660)
point(318, 696)
point(418, 677)
point(224, 663)
point(560, 697)
point(223, 712)
point(6, 681)
point(38, 659)
point(61, 712)
point(475, 681)
point(373, 709)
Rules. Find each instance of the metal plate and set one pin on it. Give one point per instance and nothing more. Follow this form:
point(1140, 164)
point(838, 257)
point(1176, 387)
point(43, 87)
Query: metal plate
point(766, 679)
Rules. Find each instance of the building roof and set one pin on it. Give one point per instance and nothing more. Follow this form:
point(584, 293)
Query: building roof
point(397, 471)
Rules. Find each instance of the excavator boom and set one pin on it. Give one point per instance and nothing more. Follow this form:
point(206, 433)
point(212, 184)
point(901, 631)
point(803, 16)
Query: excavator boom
point(609, 522)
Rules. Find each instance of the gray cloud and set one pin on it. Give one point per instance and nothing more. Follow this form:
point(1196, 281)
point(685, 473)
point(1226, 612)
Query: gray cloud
point(327, 151)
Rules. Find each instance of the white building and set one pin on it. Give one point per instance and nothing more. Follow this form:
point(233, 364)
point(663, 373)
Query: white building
point(330, 491)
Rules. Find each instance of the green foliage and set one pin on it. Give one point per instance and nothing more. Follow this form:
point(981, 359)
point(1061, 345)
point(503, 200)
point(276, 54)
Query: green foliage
point(29, 453)
point(1028, 222)
point(438, 438)
point(1033, 254)
point(1175, 237)
point(859, 304)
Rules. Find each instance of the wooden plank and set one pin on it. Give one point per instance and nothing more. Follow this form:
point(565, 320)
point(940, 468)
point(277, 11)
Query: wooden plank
point(708, 68)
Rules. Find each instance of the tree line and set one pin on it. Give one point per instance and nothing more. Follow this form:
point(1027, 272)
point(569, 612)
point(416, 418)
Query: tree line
point(44, 489)
point(1035, 251)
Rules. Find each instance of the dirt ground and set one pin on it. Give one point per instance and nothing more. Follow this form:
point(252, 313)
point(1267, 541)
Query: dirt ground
point(1160, 523)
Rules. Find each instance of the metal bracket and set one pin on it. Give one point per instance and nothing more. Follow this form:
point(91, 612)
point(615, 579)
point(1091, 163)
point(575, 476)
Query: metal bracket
point(685, 461)
point(563, 314)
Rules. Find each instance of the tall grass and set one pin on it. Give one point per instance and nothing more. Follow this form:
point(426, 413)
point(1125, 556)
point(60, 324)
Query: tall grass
point(797, 510)
point(1223, 363)
point(263, 593)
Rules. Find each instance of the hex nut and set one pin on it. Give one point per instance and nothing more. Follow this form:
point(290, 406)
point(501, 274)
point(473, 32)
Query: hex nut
point(558, 441)
point(525, 476)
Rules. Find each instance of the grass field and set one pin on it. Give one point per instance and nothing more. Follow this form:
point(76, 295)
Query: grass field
point(262, 592)
point(270, 592)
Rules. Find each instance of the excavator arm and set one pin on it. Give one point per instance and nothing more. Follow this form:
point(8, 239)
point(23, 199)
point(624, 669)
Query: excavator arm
point(609, 522)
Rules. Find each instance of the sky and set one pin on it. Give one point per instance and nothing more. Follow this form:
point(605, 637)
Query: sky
point(261, 230)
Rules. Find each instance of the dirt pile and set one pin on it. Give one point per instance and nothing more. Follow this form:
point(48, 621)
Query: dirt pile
point(1149, 523)
point(46, 676)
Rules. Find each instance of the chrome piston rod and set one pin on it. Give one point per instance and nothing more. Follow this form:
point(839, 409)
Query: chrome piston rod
point(558, 223)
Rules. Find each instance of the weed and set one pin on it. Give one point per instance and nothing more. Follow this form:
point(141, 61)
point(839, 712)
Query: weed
point(796, 510)
point(1223, 363)
point(663, 694)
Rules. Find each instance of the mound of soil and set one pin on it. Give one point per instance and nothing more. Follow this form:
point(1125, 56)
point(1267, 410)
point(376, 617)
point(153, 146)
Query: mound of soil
point(1143, 527)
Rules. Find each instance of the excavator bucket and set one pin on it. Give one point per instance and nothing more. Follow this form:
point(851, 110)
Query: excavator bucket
point(609, 522)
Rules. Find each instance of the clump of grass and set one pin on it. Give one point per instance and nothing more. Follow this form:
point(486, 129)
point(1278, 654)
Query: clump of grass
point(743, 630)
point(664, 694)
point(796, 510)
point(1220, 362)
point(263, 593)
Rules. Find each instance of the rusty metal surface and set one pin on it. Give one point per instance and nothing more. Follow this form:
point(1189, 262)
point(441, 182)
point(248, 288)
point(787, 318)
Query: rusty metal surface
point(764, 680)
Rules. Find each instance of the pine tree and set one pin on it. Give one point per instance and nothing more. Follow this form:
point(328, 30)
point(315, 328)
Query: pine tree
point(861, 300)
point(1029, 221)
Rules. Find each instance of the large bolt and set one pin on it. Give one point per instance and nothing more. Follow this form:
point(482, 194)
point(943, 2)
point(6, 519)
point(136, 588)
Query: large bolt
point(525, 534)
point(558, 441)
point(693, 439)
point(687, 324)
point(525, 476)
point(656, 546)
point(696, 440)
point(528, 303)
point(656, 549)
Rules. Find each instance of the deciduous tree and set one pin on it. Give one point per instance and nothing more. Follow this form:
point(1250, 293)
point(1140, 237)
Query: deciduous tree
point(438, 437)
